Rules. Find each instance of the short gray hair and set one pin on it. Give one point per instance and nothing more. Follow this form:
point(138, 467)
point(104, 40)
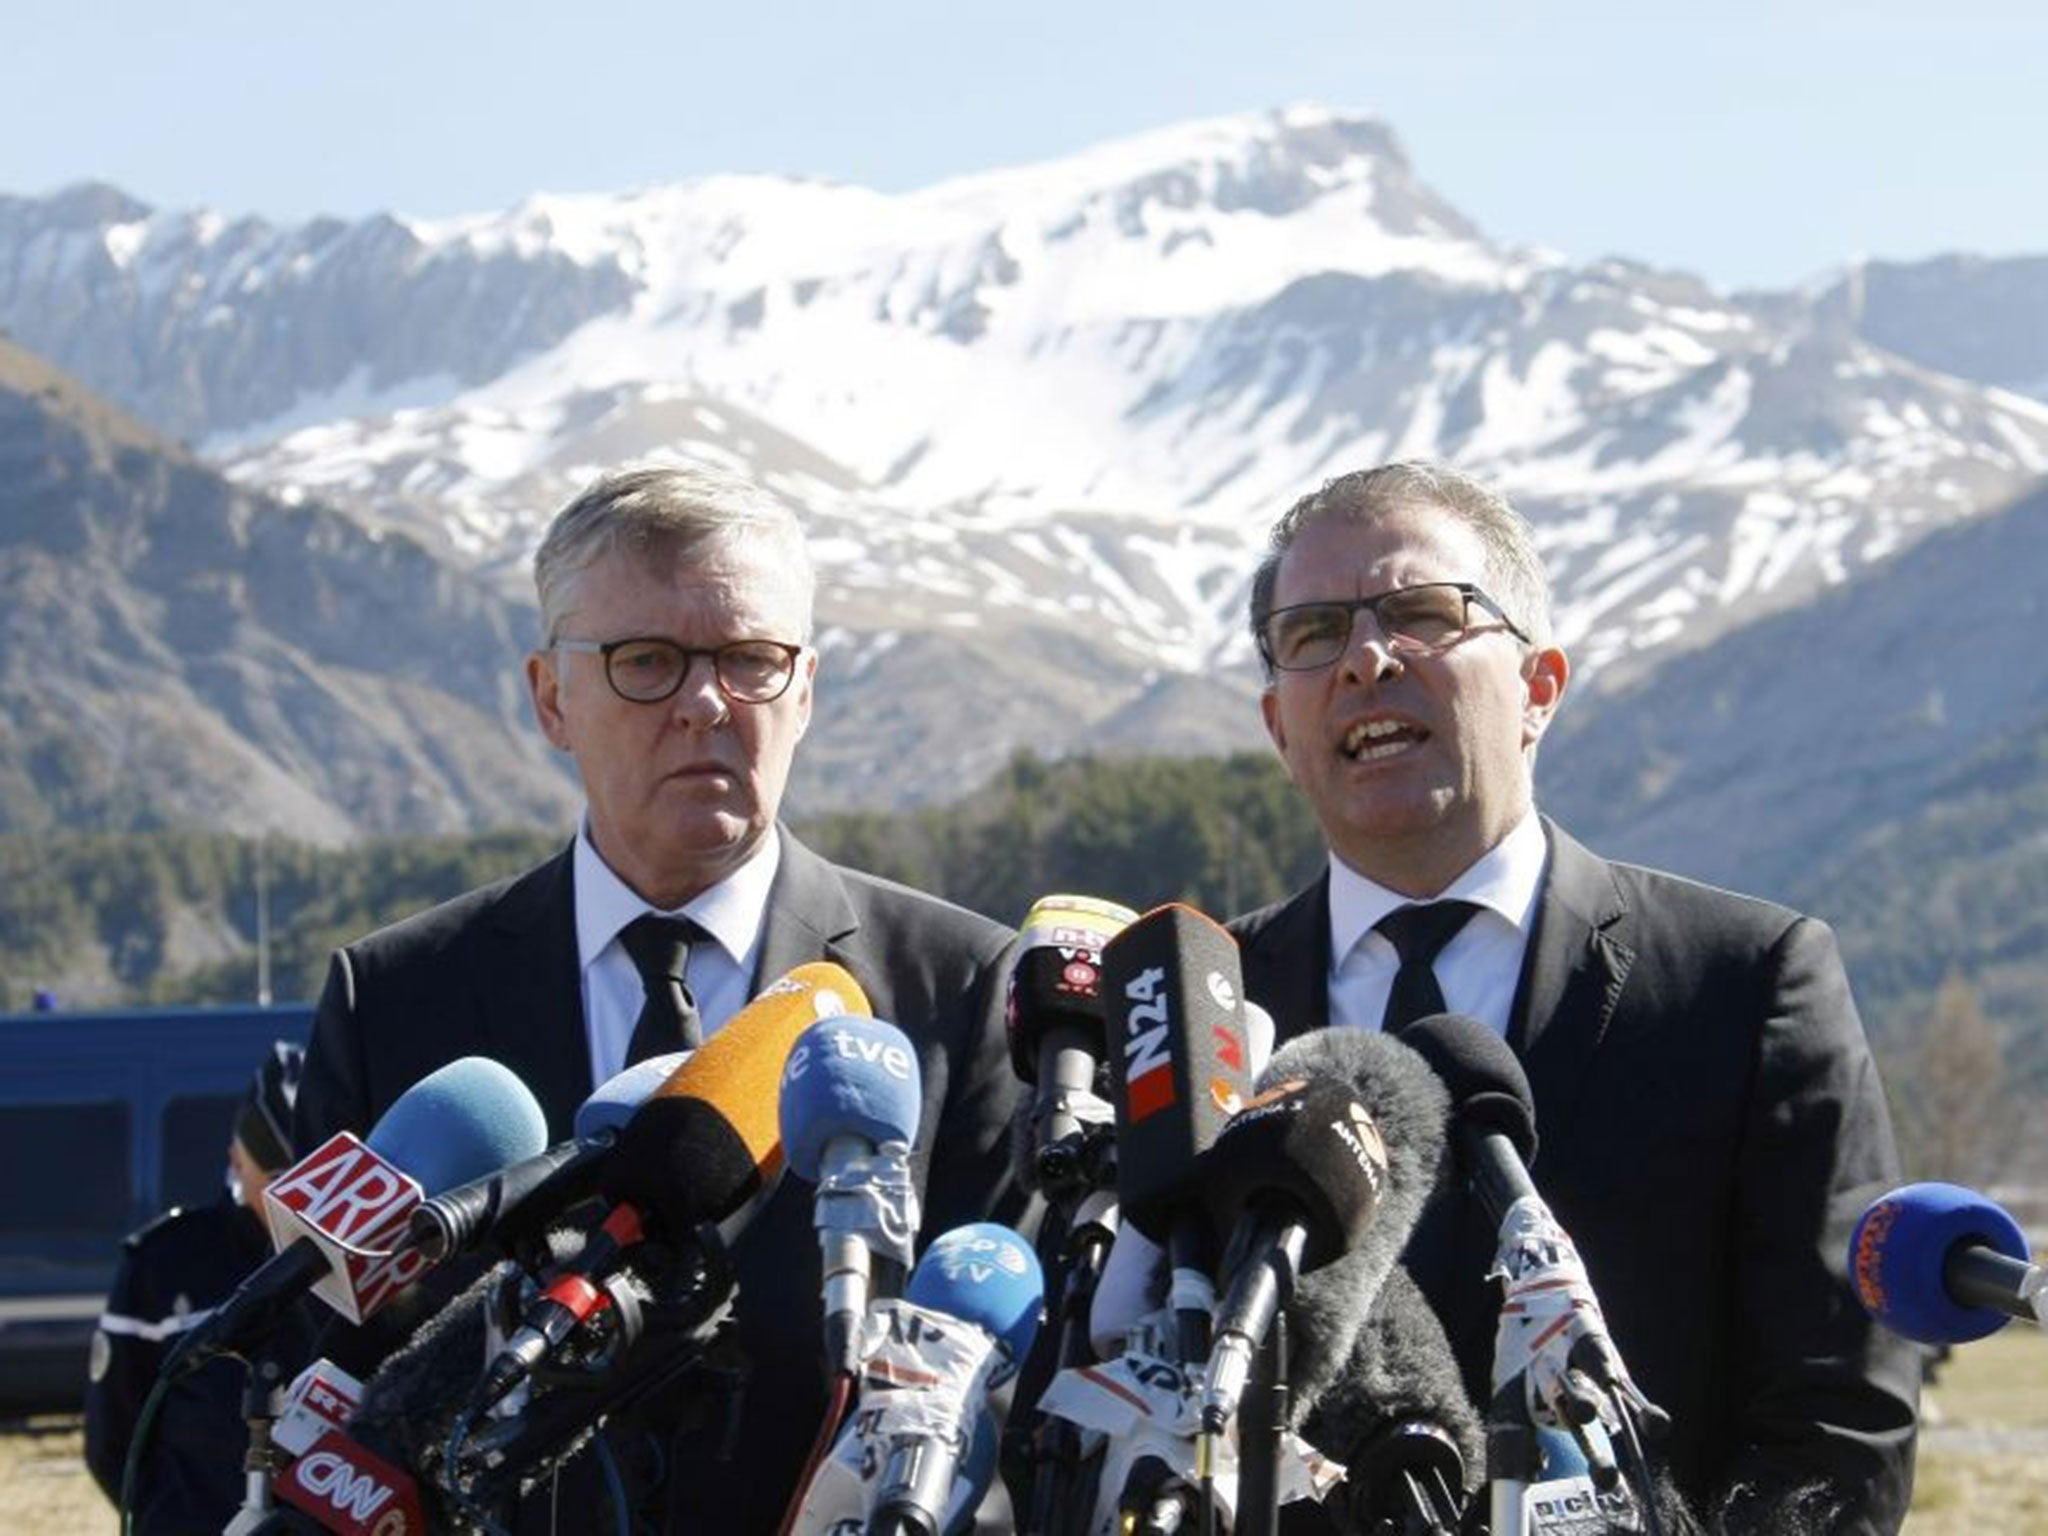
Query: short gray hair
point(664, 513)
point(1514, 574)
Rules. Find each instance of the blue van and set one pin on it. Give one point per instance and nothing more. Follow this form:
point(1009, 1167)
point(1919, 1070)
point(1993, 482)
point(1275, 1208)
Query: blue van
point(107, 1119)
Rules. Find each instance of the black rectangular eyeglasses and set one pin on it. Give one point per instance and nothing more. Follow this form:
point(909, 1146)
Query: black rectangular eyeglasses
point(1417, 620)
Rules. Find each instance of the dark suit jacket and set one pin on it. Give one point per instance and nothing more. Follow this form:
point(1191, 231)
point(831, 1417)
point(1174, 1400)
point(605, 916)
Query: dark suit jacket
point(494, 973)
point(1710, 1127)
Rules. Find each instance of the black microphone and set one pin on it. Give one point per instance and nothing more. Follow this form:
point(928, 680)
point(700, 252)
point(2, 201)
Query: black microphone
point(1054, 1018)
point(1174, 994)
point(1393, 1408)
point(702, 1149)
point(1332, 1161)
point(512, 1206)
point(1496, 1131)
point(1304, 1165)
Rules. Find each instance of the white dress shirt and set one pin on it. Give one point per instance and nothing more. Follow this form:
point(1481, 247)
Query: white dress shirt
point(721, 973)
point(1477, 971)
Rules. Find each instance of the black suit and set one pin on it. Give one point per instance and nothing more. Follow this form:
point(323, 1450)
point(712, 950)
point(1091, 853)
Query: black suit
point(495, 973)
point(1711, 1125)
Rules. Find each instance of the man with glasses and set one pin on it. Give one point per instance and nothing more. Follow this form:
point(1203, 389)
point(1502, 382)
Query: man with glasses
point(1709, 1118)
point(676, 668)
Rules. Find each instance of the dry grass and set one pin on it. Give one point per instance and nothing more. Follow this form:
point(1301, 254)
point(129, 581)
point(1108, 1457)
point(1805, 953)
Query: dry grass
point(1983, 1455)
point(1984, 1440)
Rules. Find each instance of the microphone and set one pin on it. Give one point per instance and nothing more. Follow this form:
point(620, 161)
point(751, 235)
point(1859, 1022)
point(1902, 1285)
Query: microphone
point(336, 1214)
point(1055, 1023)
point(321, 1397)
point(851, 1098)
point(347, 1489)
point(1396, 1413)
point(1133, 1283)
point(1551, 1326)
point(1409, 1109)
point(510, 1206)
point(1304, 1163)
point(1174, 995)
point(699, 1151)
point(908, 1459)
point(1940, 1264)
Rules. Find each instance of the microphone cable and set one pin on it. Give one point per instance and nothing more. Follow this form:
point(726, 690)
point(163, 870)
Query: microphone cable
point(1638, 1463)
point(828, 1434)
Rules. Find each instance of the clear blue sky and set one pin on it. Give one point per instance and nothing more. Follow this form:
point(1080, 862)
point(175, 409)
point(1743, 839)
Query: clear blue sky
point(1753, 143)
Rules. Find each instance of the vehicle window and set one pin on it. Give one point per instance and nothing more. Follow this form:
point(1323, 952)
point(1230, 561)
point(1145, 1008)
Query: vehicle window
point(194, 1150)
point(64, 1168)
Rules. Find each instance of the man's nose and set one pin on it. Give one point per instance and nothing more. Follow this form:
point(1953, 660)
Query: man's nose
point(1367, 655)
point(700, 700)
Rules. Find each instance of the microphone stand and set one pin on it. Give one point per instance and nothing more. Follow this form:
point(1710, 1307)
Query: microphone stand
point(263, 1460)
point(1262, 1423)
point(1089, 1207)
point(1513, 1458)
point(1056, 1445)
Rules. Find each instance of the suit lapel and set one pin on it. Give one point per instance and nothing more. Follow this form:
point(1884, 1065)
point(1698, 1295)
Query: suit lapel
point(809, 916)
point(531, 988)
point(1287, 962)
point(1571, 980)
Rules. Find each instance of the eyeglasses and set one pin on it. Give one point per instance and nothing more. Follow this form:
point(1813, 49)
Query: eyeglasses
point(650, 669)
point(1415, 621)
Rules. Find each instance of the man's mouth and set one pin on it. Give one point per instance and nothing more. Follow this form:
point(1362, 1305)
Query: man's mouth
point(1370, 740)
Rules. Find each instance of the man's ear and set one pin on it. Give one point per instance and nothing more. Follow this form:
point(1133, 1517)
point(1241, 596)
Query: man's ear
point(806, 679)
point(1545, 676)
point(1269, 711)
point(543, 683)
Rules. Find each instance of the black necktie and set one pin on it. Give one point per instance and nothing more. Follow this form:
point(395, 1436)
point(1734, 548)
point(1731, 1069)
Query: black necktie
point(1418, 935)
point(660, 947)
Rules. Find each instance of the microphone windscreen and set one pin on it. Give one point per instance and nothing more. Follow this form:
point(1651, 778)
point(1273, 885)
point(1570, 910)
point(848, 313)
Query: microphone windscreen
point(1490, 1092)
point(1396, 1368)
point(1408, 1102)
point(621, 1095)
point(1900, 1246)
point(1173, 994)
point(983, 1273)
point(467, 1119)
point(1057, 978)
point(1410, 1108)
point(709, 1138)
point(848, 1077)
point(409, 1405)
point(1308, 1147)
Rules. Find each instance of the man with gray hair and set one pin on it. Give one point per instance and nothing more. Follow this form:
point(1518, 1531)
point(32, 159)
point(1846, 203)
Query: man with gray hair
point(1709, 1117)
point(676, 668)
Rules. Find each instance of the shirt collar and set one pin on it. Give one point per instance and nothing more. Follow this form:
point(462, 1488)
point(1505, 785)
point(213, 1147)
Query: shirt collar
point(1504, 880)
point(731, 911)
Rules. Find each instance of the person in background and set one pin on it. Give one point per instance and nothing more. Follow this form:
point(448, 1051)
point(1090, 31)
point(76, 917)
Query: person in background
point(170, 1276)
point(1710, 1121)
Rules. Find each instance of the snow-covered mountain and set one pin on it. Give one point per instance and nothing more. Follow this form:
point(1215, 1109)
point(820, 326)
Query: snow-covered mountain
point(1040, 417)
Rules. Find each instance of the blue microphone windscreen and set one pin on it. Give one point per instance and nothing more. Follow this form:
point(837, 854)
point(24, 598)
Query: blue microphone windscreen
point(983, 1273)
point(848, 1076)
point(613, 1104)
point(1900, 1245)
point(470, 1118)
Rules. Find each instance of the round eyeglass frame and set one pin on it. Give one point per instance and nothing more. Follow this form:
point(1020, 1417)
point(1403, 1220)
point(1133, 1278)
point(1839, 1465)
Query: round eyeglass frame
point(689, 654)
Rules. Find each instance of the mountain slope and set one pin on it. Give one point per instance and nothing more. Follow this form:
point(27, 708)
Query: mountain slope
point(1880, 755)
point(175, 650)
